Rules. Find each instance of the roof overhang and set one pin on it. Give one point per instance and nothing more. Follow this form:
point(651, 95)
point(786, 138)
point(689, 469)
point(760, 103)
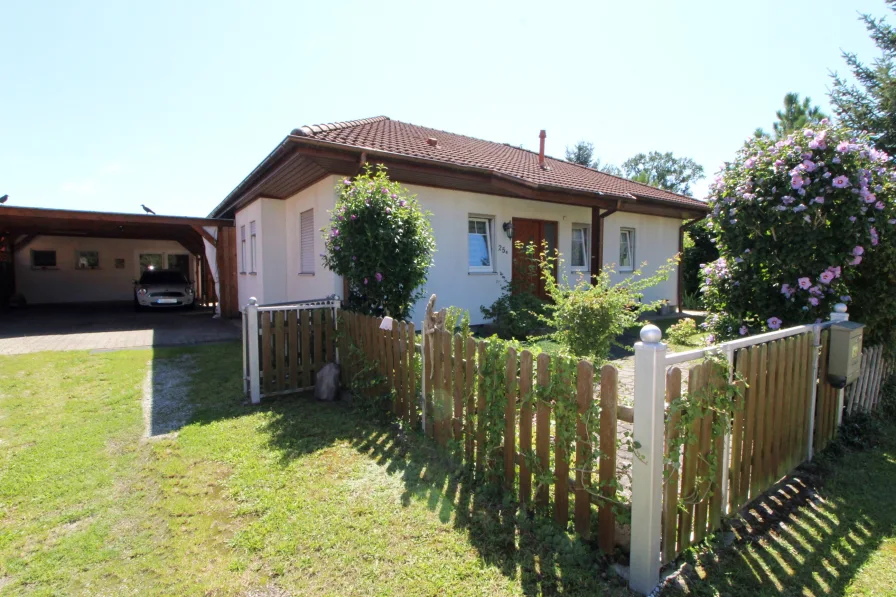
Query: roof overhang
point(36, 221)
point(299, 161)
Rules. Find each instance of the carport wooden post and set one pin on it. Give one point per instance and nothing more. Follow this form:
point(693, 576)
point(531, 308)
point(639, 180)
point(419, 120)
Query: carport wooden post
point(647, 466)
point(252, 345)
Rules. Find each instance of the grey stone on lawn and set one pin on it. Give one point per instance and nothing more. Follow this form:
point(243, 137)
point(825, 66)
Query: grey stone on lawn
point(326, 386)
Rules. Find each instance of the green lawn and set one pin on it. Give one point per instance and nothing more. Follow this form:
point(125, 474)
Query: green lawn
point(841, 540)
point(290, 498)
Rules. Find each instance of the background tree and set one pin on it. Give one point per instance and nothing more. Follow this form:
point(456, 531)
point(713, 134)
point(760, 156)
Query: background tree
point(663, 170)
point(607, 168)
point(796, 115)
point(581, 153)
point(871, 104)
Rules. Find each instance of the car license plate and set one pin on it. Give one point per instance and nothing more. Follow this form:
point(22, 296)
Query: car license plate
point(167, 301)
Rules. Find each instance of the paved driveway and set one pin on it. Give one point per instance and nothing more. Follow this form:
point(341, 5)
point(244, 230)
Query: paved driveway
point(36, 329)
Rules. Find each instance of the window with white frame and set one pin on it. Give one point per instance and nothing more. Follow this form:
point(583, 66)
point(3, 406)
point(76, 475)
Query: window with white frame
point(252, 247)
point(579, 255)
point(306, 224)
point(479, 244)
point(243, 249)
point(626, 249)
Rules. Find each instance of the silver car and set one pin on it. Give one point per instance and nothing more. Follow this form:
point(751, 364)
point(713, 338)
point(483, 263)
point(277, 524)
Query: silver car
point(163, 288)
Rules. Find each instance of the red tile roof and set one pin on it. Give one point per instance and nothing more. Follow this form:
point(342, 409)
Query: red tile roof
point(383, 134)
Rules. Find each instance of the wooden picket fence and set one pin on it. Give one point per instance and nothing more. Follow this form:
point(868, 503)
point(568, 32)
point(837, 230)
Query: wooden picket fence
point(457, 395)
point(770, 431)
point(391, 353)
point(284, 346)
point(865, 394)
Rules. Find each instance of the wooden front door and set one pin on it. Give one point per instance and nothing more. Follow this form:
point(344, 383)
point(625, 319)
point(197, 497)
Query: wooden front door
point(526, 275)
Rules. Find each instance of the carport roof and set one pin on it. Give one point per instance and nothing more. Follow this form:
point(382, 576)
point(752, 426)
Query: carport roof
point(64, 222)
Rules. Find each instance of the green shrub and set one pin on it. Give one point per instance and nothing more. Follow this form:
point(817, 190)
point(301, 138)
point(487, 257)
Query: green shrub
point(587, 318)
point(682, 332)
point(699, 249)
point(516, 313)
point(381, 242)
point(458, 320)
point(800, 224)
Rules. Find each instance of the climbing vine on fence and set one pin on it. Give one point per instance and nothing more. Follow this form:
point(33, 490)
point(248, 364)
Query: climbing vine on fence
point(717, 398)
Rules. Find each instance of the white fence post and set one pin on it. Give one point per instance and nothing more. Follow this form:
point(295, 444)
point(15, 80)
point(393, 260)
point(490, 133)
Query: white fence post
point(647, 465)
point(252, 335)
point(813, 397)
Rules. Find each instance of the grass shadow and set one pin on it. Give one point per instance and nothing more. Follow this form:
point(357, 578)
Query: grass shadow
point(818, 532)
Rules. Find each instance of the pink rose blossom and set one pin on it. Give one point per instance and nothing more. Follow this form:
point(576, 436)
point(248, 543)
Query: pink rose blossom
point(804, 283)
point(856, 260)
point(774, 323)
point(826, 277)
point(841, 182)
point(860, 250)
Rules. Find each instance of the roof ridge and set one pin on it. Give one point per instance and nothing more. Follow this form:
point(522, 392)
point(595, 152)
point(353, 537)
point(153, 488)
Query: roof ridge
point(628, 180)
point(310, 129)
point(561, 160)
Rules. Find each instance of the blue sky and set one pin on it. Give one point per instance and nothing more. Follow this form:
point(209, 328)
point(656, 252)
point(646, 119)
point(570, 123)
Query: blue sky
point(105, 106)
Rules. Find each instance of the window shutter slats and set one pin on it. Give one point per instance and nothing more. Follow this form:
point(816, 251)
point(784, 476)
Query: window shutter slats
point(306, 224)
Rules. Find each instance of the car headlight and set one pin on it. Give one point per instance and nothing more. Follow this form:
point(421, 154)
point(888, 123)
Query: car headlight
point(188, 291)
point(141, 291)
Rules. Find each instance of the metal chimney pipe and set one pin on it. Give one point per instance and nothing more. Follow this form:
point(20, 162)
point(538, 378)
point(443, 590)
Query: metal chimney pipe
point(541, 137)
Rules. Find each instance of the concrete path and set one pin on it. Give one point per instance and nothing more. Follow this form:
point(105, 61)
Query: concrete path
point(36, 329)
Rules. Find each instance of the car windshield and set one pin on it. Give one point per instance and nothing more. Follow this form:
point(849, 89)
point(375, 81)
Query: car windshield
point(163, 277)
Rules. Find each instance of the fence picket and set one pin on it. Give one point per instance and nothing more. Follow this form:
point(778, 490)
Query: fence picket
point(689, 468)
point(760, 428)
point(543, 432)
point(584, 398)
point(470, 399)
point(480, 411)
point(305, 354)
point(510, 419)
point(526, 398)
point(670, 483)
point(447, 383)
point(266, 349)
point(738, 428)
point(606, 520)
point(293, 348)
point(458, 388)
point(278, 334)
point(701, 510)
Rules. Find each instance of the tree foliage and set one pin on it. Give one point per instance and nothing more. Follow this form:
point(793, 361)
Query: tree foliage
point(870, 104)
point(663, 170)
point(795, 116)
point(795, 221)
point(582, 153)
point(381, 242)
point(700, 251)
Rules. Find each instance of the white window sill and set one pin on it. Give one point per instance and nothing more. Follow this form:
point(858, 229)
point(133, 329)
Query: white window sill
point(253, 273)
point(580, 269)
point(626, 271)
point(474, 273)
point(306, 274)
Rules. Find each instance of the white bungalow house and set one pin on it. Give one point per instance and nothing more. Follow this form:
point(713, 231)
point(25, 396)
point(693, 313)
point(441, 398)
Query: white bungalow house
point(483, 196)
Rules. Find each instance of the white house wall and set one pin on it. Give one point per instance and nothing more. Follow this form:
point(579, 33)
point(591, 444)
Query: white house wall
point(279, 277)
point(321, 197)
point(450, 278)
point(250, 284)
point(656, 241)
point(65, 284)
point(274, 248)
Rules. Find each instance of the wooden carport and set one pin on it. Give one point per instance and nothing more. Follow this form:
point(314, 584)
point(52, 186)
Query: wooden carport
point(18, 224)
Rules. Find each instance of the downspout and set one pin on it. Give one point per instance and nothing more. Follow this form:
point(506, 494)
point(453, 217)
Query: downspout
point(681, 256)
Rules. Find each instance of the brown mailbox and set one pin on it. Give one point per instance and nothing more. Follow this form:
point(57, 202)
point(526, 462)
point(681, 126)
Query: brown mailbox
point(845, 354)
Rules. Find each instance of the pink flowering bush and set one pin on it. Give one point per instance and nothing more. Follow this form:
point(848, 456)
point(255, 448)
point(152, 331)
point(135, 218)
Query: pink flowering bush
point(795, 221)
point(381, 242)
